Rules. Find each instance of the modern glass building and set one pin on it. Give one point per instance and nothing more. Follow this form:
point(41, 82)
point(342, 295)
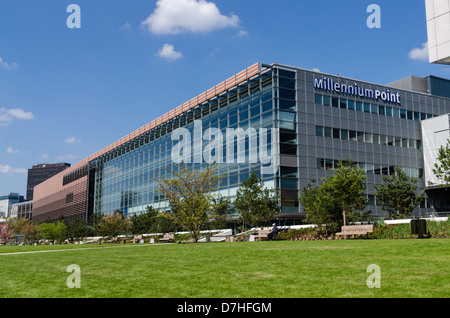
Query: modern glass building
point(307, 121)
point(7, 201)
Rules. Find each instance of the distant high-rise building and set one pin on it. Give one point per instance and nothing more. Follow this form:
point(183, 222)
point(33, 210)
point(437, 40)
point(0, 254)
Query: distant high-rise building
point(41, 172)
point(6, 202)
point(438, 26)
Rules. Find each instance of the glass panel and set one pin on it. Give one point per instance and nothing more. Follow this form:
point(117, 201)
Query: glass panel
point(335, 101)
point(359, 106)
point(318, 99)
point(403, 113)
point(336, 133)
point(389, 111)
point(287, 116)
point(287, 94)
point(351, 104)
point(374, 109)
point(289, 172)
point(283, 104)
point(319, 131)
point(326, 100)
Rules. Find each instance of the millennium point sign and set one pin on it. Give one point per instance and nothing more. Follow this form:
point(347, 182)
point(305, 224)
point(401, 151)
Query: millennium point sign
point(329, 84)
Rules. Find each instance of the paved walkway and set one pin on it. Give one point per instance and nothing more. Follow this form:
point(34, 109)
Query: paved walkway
point(78, 249)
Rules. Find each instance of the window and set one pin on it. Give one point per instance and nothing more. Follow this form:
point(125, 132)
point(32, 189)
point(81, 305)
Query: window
point(381, 110)
point(287, 116)
point(287, 94)
point(388, 111)
point(336, 133)
point(396, 112)
point(289, 183)
point(287, 82)
point(359, 106)
point(254, 111)
point(319, 131)
point(351, 104)
point(289, 172)
point(288, 149)
point(366, 107)
point(335, 102)
point(288, 137)
point(409, 114)
point(374, 109)
point(327, 132)
point(343, 103)
point(368, 138)
point(344, 134)
point(403, 113)
point(282, 103)
point(326, 100)
point(318, 99)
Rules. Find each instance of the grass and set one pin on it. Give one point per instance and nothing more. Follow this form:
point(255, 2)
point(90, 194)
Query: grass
point(288, 269)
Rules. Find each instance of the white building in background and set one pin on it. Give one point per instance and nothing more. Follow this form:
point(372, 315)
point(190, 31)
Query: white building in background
point(438, 26)
point(6, 202)
point(435, 133)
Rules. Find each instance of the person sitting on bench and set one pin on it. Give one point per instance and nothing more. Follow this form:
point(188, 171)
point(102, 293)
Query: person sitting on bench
point(273, 233)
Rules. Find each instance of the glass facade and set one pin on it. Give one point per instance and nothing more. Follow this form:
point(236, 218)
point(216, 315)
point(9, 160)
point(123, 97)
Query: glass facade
point(126, 178)
point(314, 129)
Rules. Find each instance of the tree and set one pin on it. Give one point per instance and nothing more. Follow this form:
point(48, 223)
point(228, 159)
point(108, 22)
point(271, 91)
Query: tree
point(398, 194)
point(190, 195)
point(221, 211)
point(53, 231)
point(347, 187)
point(256, 204)
point(164, 223)
point(78, 229)
point(143, 222)
point(25, 227)
point(320, 207)
point(442, 169)
point(111, 225)
point(6, 233)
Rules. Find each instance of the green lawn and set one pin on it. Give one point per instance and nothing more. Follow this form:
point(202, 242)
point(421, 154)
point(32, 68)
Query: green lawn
point(288, 269)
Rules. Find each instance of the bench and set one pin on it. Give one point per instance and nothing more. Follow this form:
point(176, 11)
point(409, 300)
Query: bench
point(262, 234)
point(355, 229)
point(167, 238)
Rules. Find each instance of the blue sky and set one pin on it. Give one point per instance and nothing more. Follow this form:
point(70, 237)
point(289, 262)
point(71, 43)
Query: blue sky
point(65, 93)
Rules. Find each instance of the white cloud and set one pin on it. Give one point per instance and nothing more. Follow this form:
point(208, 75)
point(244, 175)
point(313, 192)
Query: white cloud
point(315, 69)
point(419, 54)
point(7, 115)
point(7, 66)
point(168, 52)
point(243, 33)
point(66, 158)
point(44, 156)
point(10, 150)
point(126, 26)
point(71, 140)
point(9, 169)
point(184, 16)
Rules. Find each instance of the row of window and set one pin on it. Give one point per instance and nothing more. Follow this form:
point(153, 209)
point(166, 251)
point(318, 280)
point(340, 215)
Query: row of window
point(370, 138)
point(370, 168)
point(372, 108)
